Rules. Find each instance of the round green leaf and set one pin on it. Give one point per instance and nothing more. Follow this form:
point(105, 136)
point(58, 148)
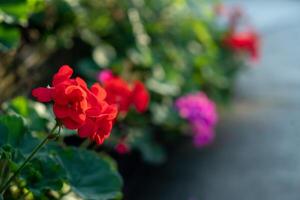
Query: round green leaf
point(44, 173)
point(90, 176)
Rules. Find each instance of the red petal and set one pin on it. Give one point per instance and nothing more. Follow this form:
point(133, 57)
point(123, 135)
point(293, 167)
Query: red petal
point(99, 140)
point(87, 129)
point(70, 124)
point(81, 82)
point(42, 94)
point(93, 112)
point(83, 105)
point(104, 128)
point(110, 112)
point(103, 131)
point(65, 72)
point(59, 95)
point(124, 105)
point(77, 117)
point(60, 111)
point(97, 90)
point(75, 93)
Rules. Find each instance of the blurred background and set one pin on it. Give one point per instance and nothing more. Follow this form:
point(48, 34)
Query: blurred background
point(175, 47)
point(256, 153)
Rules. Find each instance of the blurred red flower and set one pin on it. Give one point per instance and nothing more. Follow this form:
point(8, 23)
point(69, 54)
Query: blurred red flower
point(125, 95)
point(118, 92)
point(244, 41)
point(122, 148)
point(77, 107)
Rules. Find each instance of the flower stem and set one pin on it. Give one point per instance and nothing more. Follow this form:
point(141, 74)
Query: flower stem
point(28, 159)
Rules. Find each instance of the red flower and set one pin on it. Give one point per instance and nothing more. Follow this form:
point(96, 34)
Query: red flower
point(140, 97)
point(244, 41)
point(124, 95)
point(98, 127)
point(122, 148)
point(75, 106)
point(118, 92)
point(69, 96)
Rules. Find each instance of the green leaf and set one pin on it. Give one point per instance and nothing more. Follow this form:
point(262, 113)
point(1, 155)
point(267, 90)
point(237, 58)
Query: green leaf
point(90, 176)
point(9, 159)
point(12, 129)
point(20, 105)
point(17, 12)
point(14, 132)
point(5, 159)
point(35, 114)
point(36, 5)
point(44, 173)
point(14, 11)
point(9, 38)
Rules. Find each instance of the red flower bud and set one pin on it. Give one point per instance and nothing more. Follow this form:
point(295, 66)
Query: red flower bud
point(122, 148)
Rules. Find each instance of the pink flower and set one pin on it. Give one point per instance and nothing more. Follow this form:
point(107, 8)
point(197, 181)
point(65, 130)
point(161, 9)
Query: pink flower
point(204, 135)
point(201, 113)
point(105, 75)
point(197, 108)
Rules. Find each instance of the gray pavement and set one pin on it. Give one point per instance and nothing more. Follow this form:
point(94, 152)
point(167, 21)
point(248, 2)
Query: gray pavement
point(256, 155)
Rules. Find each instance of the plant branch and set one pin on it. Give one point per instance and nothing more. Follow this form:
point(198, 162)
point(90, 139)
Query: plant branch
point(52, 135)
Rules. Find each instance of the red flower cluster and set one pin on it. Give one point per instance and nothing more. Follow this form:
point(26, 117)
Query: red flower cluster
point(78, 107)
point(244, 41)
point(124, 95)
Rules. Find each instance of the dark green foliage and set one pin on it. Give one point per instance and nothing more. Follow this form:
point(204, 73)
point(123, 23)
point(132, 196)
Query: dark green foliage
point(87, 174)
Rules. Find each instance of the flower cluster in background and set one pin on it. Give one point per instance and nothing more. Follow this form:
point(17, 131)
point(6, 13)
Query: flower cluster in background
point(202, 115)
point(247, 41)
point(124, 94)
point(241, 37)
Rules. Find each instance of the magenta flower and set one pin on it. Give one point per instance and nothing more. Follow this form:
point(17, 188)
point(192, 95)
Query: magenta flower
point(201, 113)
point(105, 75)
point(204, 135)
